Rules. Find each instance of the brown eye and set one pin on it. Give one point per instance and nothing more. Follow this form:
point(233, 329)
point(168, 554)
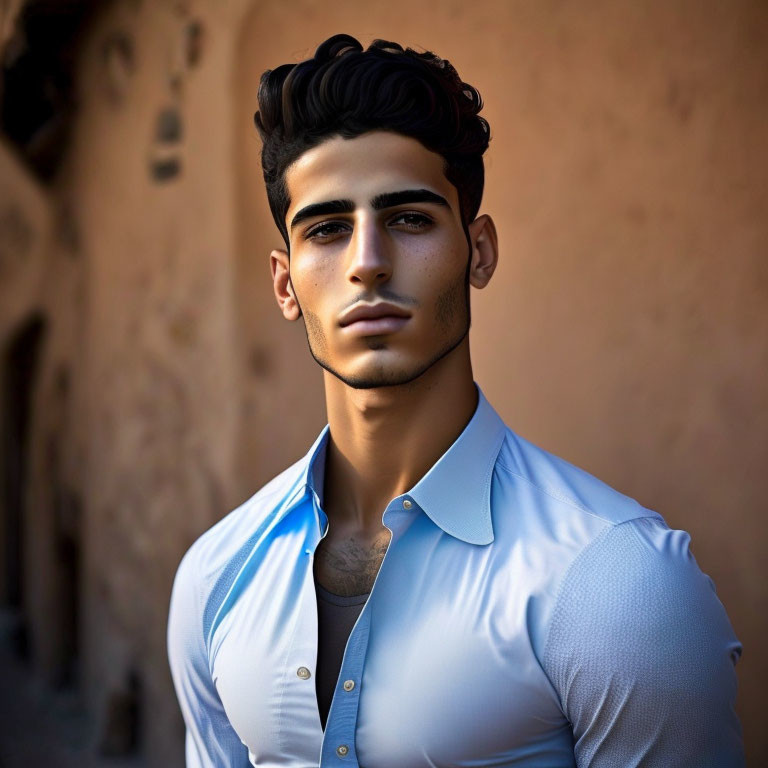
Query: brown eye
point(412, 221)
point(326, 230)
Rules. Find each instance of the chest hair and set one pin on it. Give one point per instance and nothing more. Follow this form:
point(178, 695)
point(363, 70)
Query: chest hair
point(347, 565)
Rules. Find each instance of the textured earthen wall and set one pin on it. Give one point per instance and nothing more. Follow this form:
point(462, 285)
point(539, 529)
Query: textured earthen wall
point(25, 244)
point(127, 257)
point(151, 177)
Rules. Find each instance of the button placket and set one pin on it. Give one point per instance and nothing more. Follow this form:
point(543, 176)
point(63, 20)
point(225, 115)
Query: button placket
point(339, 737)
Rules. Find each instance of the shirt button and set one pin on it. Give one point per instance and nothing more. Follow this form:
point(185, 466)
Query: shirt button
point(349, 685)
point(303, 673)
point(342, 750)
point(407, 504)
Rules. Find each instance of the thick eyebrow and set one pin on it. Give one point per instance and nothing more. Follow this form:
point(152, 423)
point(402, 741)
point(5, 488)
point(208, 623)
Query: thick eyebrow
point(378, 203)
point(406, 196)
point(322, 209)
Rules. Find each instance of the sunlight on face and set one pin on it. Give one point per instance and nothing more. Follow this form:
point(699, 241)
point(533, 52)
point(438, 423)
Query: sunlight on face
point(373, 219)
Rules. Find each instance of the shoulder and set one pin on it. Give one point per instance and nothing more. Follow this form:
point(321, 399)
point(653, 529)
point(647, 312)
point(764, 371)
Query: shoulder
point(218, 550)
point(214, 548)
point(551, 476)
point(614, 563)
point(621, 555)
point(642, 654)
point(636, 605)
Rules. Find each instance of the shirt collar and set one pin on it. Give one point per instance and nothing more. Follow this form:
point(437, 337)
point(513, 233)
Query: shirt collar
point(456, 491)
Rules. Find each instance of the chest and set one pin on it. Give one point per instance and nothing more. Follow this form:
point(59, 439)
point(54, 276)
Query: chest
point(440, 658)
point(347, 565)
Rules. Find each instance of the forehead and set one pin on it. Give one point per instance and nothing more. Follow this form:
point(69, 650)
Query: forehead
point(358, 169)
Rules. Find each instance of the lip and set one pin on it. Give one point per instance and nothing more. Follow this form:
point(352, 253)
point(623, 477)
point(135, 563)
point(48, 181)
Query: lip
point(369, 314)
point(376, 326)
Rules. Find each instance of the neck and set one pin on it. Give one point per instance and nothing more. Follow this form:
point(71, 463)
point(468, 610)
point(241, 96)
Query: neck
point(382, 441)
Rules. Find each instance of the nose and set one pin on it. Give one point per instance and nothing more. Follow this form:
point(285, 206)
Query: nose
point(369, 262)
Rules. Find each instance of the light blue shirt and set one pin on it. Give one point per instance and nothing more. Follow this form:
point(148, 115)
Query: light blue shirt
point(525, 614)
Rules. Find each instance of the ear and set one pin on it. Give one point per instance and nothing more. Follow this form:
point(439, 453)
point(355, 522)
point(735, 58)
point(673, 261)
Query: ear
point(281, 282)
point(485, 250)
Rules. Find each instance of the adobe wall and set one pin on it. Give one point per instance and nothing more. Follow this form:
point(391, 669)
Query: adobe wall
point(150, 174)
point(133, 416)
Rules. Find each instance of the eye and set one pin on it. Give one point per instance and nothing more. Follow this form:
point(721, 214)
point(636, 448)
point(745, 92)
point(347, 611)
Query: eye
point(412, 220)
point(328, 230)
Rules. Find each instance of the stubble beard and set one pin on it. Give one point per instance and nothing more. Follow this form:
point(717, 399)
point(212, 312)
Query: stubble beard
point(454, 299)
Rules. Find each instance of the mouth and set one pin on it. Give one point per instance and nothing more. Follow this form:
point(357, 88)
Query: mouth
point(375, 326)
point(373, 319)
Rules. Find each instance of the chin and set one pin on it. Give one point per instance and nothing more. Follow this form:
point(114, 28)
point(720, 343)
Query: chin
point(379, 382)
point(377, 376)
point(387, 370)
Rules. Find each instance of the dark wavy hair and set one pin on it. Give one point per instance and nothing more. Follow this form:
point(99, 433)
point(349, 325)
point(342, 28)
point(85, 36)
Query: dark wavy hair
point(347, 91)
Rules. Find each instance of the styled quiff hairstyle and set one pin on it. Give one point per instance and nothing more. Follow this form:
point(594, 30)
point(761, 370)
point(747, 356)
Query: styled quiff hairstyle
point(347, 91)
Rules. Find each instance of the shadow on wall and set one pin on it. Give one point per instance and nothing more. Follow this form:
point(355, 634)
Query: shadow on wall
point(19, 369)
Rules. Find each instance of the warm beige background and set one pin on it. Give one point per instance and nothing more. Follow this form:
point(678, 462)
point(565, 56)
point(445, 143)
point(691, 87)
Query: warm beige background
point(626, 328)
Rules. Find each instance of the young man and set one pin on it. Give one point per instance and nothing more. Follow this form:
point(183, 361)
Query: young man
point(426, 587)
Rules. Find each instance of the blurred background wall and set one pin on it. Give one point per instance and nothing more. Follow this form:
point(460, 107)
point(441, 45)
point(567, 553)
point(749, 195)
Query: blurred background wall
point(149, 383)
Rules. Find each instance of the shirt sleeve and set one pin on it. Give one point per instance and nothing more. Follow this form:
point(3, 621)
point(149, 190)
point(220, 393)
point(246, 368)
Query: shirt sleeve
point(642, 654)
point(211, 742)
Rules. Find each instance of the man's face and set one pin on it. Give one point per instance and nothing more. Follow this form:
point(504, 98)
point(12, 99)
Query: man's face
point(373, 219)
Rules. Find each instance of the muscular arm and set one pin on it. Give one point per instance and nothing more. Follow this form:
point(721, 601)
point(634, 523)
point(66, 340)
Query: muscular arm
point(642, 654)
point(210, 740)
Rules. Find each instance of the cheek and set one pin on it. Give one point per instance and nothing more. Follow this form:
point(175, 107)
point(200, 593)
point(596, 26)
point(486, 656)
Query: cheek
point(450, 304)
point(429, 271)
point(443, 274)
point(315, 332)
point(308, 280)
